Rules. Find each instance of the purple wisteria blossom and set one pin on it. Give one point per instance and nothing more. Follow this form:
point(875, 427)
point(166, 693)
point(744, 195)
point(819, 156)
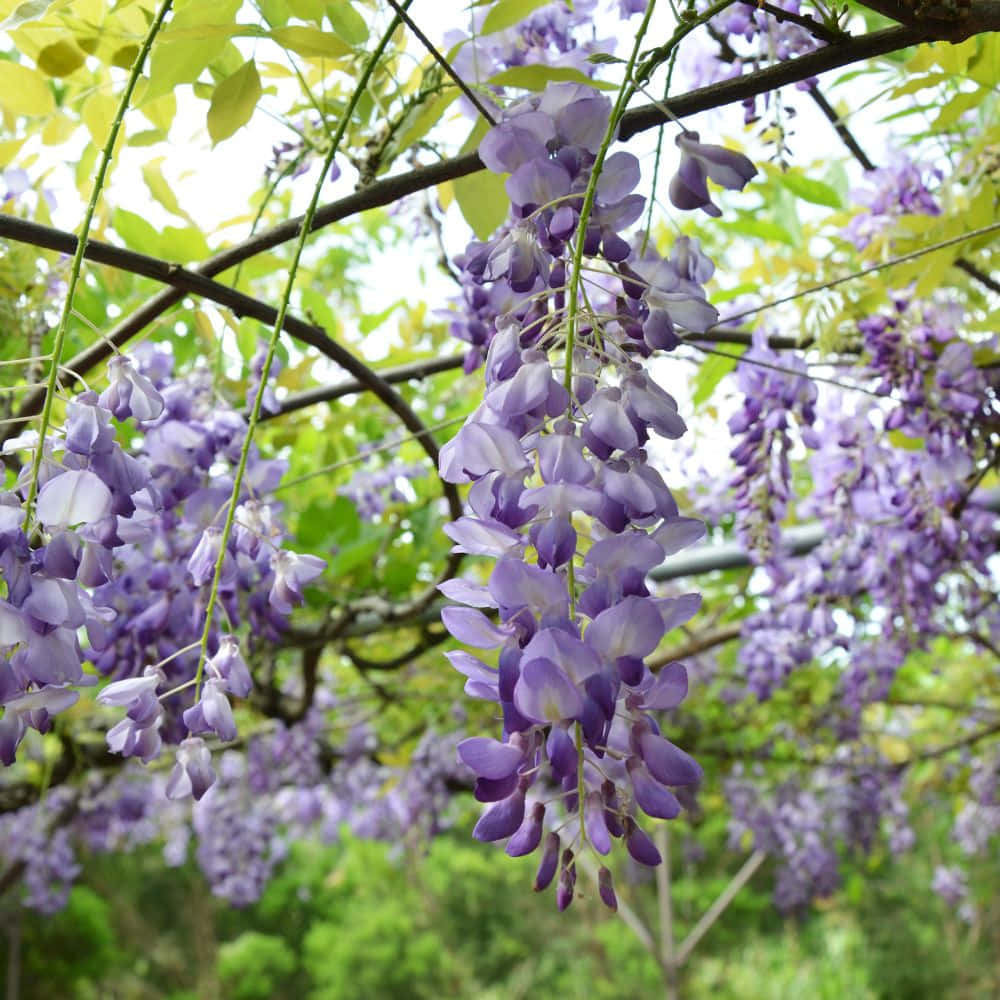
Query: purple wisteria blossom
point(581, 747)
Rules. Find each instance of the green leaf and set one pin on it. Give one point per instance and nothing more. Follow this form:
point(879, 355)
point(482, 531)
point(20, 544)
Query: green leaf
point(506, 13)
point(31, 10)
point(347, 23)
point(372, 321)
point(23, 91)
point(900, 440)
point(152, 174)
point(483, 201)
point(181, 59)
point(762, 229)
point(536, 76)
point(809, 190)
point(710, 373)
point(955, 108)
point(170, 242)
point(233, 102)
point(274, 12)
point(918, 83)
point(307, 10)
point(311, 42)
point(60, 58)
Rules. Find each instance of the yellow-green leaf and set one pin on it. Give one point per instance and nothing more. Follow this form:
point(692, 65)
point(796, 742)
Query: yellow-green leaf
point(711, 372)
point(311, 42)
point(23, 91)
point(483, 201)
point(233, 102)
point(307, 10)
point(536, 76)
point(957, 107)
point(152, 174)
point(810, 190)
point(98, 112)
point(60, 58)
point(31, 10)
point(506, 13)
point(347, 22)
point(125, 56)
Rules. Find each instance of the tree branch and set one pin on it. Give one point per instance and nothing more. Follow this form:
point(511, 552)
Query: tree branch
point(984, 16)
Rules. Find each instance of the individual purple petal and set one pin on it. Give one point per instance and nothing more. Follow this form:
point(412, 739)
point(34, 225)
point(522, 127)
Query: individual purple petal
point(609, 422)
point(192, 774)
point(228, 663)
point(653, 799)
point(483, 537)
point(677, 610)
point(568, 652)
point(537, 183)
point(548, 863)
point(504, 148)
point(726, 167)
point(472, 667)
point(74, 497)
point(561, 460)
point(567, 881)
point(481, 448)
point(529, 836)
point(495, 789)
point(606, 889)
point(677, 533)
point(13, 628)
point(130, 393)
point(561, 752)
point(212, 713)
point(467, 592)
point(490, 758)
point(668, 690)
point(502, 820)
point(619, 177)
point(633, 627)
point(12, 730)
point(121, 694)
point(53, 658)
point(516, 585)
point(473, 628)
point(593, 819)
point(292, 572)
point(667, 763)
point(639, 845)
point(545, 694)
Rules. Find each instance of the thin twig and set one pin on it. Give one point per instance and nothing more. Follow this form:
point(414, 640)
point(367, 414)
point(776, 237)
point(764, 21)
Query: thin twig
point(442, 62)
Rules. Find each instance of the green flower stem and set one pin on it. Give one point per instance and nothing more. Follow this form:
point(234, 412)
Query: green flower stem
point(272, 344)
point(81, 247)
point(633, 82)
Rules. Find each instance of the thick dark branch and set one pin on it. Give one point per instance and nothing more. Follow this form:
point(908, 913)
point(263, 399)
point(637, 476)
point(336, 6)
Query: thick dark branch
point(242, 305)
point(432, 366)
point(984, 16)
point(832, 36)
point(400, 373)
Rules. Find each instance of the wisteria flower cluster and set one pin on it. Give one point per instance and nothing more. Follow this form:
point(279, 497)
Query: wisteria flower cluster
point(129, 544)
point(565, 501)
point(290, 784)
point(804, 827)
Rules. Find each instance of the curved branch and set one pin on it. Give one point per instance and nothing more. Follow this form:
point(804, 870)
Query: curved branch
point(984, 16)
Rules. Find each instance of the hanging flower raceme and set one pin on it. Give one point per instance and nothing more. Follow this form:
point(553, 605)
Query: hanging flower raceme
point(564, 498)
